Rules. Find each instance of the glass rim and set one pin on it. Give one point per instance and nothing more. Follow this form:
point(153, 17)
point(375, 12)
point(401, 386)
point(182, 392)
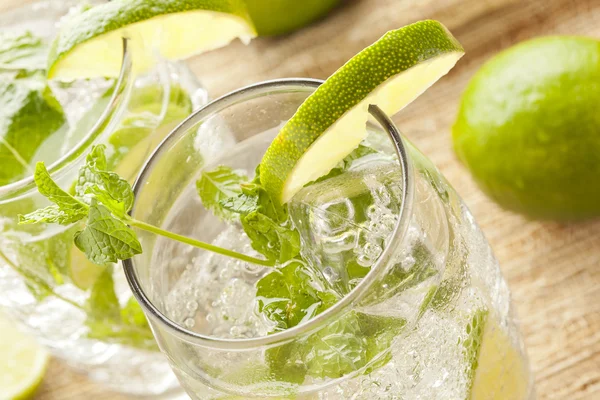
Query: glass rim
point(235, 97)
point(14, 190)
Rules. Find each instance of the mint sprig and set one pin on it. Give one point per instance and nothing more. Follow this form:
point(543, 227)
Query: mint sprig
point(294, 292)
point(105, 199)
point(229, 195)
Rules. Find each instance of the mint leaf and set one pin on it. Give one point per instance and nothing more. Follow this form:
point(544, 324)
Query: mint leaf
point(106, 239)
point(337, 349)
point(220, 184)
point(132, 314)
point(29, 114)
point(106, 320)
point(264, 202)
point(107, 187)
point(115, 193)
point(96, 158)
point(44, 263)
point(51, 214)
point(267, 225)
point(287, 296)
point(103, 304)
point(49, 189)
point(286, 363)
point(274, 241)
point(379, 332)
point(21, 51)
point(66, 209)
point(351, 343)
point(242, 204)
point(224, 193)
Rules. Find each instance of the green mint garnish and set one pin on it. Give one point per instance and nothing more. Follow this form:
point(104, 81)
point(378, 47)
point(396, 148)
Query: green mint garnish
point(108, 188)
point(30, 114)
point(107, 320)
point(351, 343)
point(217, 185)
point(22, 51)
point(226, 193)
point(104, 198)
point(294, 293)
point(66, 208)
point(106, 239)
point(346, 163)
point(287, 295)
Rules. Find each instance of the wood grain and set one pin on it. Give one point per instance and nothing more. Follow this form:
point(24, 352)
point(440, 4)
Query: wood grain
point(553, 269)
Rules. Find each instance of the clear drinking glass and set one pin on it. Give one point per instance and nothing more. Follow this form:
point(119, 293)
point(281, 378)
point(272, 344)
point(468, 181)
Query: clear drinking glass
point(425, 312)
point(84, 313)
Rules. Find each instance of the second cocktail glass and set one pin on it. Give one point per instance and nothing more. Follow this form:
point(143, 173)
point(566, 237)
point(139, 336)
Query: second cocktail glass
point(84, 313)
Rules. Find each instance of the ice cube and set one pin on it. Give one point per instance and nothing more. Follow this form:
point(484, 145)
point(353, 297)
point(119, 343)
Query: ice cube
point(346, 221)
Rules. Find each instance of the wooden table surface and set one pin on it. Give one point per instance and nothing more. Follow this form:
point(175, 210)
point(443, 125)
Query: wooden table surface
point(553, 269)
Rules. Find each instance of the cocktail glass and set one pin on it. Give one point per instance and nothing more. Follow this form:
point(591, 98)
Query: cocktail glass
point(424, 311)
point(82, 312)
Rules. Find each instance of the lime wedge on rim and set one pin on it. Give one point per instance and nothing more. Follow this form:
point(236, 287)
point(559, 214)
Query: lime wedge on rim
point(89, 44)
point(391, 73)
point(23, 362)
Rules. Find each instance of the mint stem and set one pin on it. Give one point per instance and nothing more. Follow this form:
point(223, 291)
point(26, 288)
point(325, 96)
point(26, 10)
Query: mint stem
point(198, 243)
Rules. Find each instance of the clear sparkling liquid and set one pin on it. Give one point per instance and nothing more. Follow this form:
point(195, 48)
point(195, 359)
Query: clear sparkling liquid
point(342, 220)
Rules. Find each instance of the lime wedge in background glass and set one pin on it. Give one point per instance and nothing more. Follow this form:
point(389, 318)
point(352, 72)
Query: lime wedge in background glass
point(391, 73)
point(23, 362)
point(89, 44)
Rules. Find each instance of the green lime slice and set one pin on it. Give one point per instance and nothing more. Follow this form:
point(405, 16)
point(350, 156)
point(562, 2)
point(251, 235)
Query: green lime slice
point(496, 368)
point(23, 364)
point(89, 44)
point(391, 73)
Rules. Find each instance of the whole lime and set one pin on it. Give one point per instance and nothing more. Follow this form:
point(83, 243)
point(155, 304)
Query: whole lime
point(276, 17)
point(528, 128)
